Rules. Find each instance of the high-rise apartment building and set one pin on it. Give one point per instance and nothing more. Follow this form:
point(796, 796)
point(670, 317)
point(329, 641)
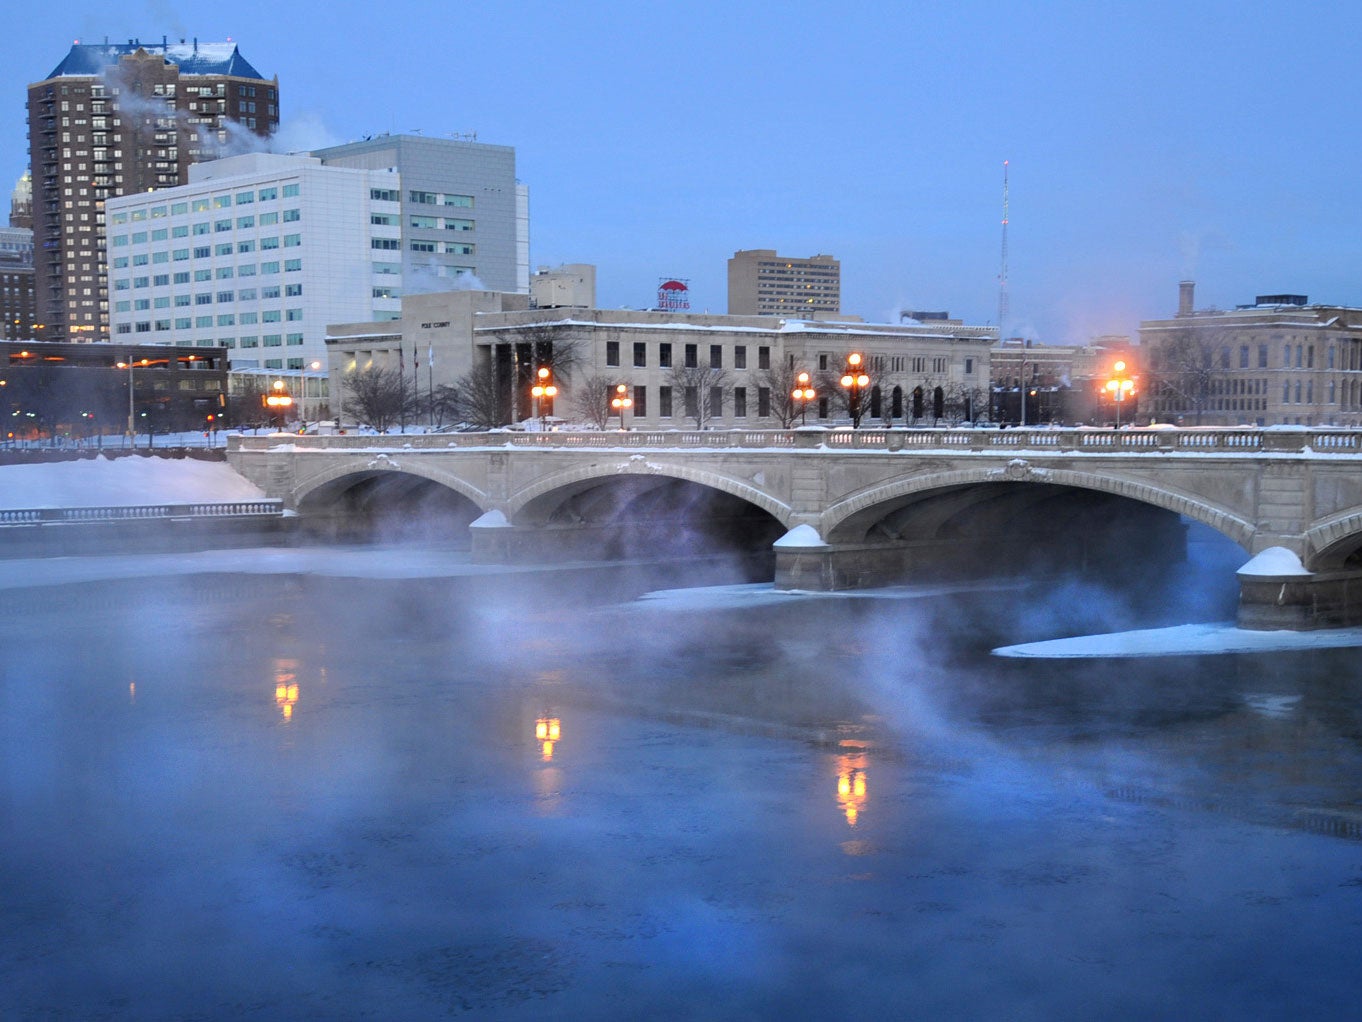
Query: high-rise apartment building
point(117, 118)
point(461, 210)
point(762, 283)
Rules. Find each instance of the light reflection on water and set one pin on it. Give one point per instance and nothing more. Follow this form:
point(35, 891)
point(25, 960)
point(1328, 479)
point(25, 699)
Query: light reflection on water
point(513, 798)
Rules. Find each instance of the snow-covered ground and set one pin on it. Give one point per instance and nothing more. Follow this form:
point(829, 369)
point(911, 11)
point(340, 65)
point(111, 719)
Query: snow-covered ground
point(1184, 640)
point(116, 481)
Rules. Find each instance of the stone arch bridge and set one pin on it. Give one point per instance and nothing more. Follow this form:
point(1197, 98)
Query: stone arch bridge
point(858, 508)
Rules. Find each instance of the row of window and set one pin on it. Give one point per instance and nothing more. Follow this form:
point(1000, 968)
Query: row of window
point(204, 204)
point(440, 199)
point(267, 269)
point(223, 298)
point(690, 402)
point(245, 341)
point(690, 355)
point(225, 248)
point(204, 227)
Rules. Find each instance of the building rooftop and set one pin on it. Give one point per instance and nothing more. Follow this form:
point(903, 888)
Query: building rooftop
point(192, 58)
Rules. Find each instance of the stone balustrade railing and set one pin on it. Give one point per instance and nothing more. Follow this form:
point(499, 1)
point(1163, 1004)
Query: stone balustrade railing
point(122, 513)
point(993, 441)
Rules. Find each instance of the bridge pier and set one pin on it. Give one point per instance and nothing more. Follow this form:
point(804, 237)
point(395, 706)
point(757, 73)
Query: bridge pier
point(1276, 592)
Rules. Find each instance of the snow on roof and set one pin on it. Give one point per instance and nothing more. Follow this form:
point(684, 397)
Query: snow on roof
point(193, 58)
point(887, 331)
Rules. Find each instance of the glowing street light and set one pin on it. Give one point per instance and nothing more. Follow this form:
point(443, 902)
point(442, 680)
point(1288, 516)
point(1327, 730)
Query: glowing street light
point(803, 393)
point(132, 418)
point(855, 380)
point(1119, 385)
point(543, 390)
point(621, 401)
point(279, 401)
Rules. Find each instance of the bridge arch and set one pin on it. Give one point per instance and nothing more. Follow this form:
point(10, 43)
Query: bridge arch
point(536, 502)
point(848, 519)
point(338, 478)
point(1334, 543)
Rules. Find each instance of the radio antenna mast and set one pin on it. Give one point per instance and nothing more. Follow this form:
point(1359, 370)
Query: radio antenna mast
point(1003, 310)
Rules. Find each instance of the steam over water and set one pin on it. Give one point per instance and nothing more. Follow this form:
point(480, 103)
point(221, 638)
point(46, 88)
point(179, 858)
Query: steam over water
point(532, 795)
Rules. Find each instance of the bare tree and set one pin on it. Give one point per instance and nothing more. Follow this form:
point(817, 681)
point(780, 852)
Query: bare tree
point(482, 400)
point(703, 390)
point(782, 378)
point(1183, 368)
point(377, 396)
point(442, 405)
point(591, 399)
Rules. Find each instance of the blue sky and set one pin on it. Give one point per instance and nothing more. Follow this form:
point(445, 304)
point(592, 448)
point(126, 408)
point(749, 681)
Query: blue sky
point(1146, 142)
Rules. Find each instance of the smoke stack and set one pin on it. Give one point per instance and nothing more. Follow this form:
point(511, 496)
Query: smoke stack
point(1185, 289)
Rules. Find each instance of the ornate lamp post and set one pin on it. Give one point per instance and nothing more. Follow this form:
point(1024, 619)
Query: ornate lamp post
point(855, 380)
point(543, 389)
point(803, 393)
point(132, 418)
point(279, 401)
point(621, 401)
point(1119, 385)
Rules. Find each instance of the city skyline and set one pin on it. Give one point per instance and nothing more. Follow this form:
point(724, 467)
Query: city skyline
point(1144, 146)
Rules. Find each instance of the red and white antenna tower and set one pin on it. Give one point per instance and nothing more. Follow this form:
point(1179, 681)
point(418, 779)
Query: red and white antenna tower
point(1003, 310)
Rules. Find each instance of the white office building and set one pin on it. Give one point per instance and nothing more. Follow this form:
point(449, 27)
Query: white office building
point(259, 252)
point(256, 254)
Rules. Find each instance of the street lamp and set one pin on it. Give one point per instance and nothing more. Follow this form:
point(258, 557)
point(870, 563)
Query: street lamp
point(1119, 385)
point(621, 401)
point(279, 401)
point(316, 397)
point(543, 389)
point(803, 393)
point(855, 380)
point(132, 418)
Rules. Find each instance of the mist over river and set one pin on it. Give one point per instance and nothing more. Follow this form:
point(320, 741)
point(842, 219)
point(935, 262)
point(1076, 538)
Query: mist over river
point(307, 795)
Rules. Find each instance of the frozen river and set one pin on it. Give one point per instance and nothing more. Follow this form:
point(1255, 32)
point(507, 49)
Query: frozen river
point(300, 795)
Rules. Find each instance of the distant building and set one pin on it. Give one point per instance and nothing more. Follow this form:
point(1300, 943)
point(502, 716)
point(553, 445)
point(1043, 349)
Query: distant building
point(118, 118)
point(18, 309)
point(1280, 360)
point(81, 389)
point(21, 203)
point(573, 284)
point(762, 283)
point(1062, 382)
point(461, 210)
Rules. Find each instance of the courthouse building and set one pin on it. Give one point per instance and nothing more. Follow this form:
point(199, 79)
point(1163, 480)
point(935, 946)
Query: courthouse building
point(751, 360)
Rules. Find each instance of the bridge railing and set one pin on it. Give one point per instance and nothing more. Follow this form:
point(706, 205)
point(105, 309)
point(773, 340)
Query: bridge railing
point(136, 512)
point(1242, 440)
